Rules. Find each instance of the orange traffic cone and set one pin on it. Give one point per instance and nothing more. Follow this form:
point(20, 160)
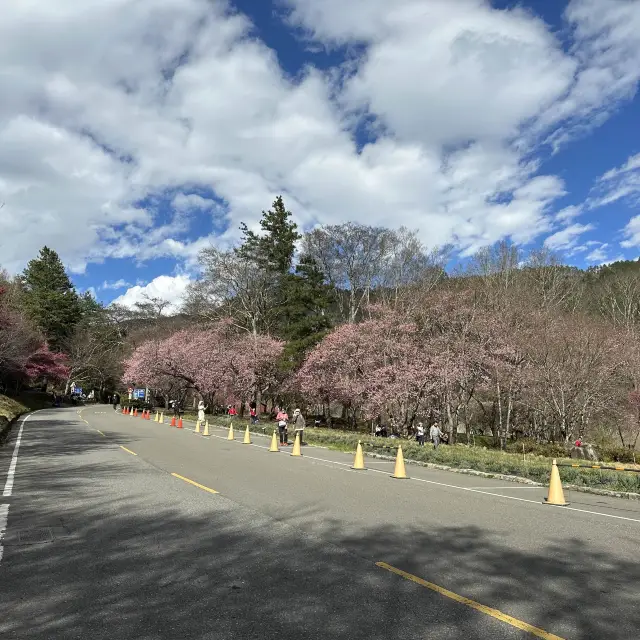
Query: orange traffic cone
point(124, 411)
point(399, 472)
point(173, 422)
point(556, 494)
point(179, 423)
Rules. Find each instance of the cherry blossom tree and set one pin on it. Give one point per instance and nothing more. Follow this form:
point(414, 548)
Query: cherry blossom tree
point(24, 356)
point(216, 361)
point(46, 365)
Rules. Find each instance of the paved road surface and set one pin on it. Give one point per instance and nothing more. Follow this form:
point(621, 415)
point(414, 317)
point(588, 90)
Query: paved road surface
point(102, 543)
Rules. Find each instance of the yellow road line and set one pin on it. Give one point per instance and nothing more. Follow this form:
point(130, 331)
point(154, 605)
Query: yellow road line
point(494, 613)
point(100, 432)
point(195, 484)
point(128, 450)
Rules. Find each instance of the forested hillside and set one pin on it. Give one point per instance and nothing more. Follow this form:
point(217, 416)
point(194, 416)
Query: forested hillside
point(511, 343)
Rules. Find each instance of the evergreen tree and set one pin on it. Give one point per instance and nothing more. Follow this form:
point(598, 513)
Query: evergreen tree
point(306, 313)
point(273, 250)
point(50, 299)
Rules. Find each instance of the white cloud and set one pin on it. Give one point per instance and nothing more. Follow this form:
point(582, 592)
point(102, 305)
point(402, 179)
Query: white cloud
point(606, 49)
point(568, 213)
point(567, 238)
point(183, 202)
point(118, 284)
point(109, 102)
point(620, 183)
point(169, 288)
point(632, 234)
point(599, 255)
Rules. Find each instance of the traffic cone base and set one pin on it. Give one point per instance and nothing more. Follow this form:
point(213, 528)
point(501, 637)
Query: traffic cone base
point(399, 472)
point(247, 436)
point(556, 494)
point(358, 462)
point(296, 446)
point(274, 443)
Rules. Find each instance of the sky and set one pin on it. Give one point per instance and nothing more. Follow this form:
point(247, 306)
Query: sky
point(134, 133)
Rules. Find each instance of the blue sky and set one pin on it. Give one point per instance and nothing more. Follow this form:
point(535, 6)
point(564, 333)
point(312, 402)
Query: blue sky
point(135, 133)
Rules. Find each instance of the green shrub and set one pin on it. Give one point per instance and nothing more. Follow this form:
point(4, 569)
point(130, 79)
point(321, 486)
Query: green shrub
point(616, 454)
point(533, 466)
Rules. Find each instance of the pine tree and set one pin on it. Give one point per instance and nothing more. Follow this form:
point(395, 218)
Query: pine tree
point(50, 299)
point(274, 249)
point(306, 313)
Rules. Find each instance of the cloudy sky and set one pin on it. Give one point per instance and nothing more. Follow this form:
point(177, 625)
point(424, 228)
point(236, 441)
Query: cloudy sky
point(135, 132)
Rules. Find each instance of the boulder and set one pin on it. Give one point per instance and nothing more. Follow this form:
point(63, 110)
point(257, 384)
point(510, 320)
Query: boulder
point(584, 452)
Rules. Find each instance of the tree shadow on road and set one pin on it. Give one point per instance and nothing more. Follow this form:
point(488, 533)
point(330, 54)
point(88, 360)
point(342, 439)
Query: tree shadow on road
point(137, 554)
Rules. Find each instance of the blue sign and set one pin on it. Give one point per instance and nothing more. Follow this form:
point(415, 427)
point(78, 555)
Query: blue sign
point(77, 391)
point(139, 394)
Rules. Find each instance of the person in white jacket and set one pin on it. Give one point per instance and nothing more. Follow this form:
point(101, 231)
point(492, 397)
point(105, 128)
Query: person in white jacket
point(201, 410)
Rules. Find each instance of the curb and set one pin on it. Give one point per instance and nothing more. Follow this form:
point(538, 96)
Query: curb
point(472, 472)
point(516, 479)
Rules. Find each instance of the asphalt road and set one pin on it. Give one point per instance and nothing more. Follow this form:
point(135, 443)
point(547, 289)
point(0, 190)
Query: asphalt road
point(102, 541)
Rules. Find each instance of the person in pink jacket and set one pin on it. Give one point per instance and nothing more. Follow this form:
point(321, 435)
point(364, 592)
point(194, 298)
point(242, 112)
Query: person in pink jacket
point(282, 419)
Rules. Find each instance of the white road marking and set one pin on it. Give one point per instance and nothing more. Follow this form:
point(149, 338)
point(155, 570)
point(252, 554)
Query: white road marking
point(8, 487)
point(506, 488)
point(4, 516)
point(472, 490)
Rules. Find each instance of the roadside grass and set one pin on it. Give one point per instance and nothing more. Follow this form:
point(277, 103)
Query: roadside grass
point(459, 456)
point(13, 406)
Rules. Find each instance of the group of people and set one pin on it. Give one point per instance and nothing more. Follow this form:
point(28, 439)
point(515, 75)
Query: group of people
point(435, 435)
point(298, 423)
point(253, 412)
point(283, 421)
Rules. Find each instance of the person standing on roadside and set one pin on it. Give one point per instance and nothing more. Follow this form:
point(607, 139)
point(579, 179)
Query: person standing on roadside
point(298, 424)
point(115, 400)
point(435, 434)
point(201, 410)
point(420, 434)
point(282, 419)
